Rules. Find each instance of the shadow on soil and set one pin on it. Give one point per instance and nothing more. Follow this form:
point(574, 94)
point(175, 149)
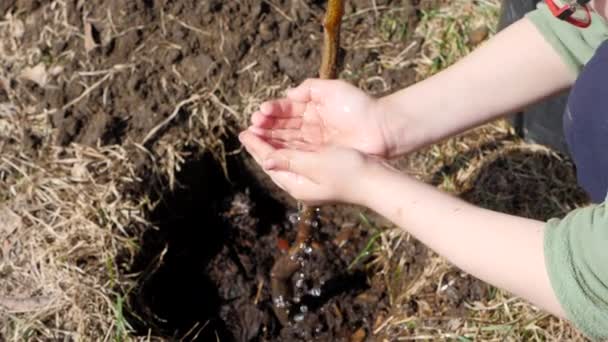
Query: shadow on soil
point(176, 297)
point(525, 181)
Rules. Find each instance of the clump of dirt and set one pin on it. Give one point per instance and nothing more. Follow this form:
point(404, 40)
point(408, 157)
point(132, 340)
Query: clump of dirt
point(207, 269)
point(126, 66)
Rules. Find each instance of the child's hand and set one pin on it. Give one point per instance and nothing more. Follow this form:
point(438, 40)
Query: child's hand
point(322, 113)
point(325, 175)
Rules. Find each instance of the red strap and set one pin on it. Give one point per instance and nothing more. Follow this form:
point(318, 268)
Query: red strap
point(559, 11)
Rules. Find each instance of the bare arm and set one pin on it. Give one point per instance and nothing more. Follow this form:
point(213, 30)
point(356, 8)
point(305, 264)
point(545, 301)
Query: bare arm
point(503, 250)
point(514, 69)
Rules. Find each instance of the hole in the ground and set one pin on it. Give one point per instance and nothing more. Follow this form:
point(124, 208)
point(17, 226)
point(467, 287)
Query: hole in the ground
point(175, 292)
point(205, 272)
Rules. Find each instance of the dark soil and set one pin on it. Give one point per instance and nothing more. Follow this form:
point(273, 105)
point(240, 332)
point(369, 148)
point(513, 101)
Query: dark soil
point(220, 241)
point(170, 49)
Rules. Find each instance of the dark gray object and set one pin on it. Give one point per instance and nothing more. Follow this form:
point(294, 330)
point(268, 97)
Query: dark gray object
point(542, 122)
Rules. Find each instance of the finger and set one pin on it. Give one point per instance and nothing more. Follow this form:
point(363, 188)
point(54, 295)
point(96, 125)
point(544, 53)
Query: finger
point(300, 163)
point(294, 184)
point(311, 90)
point(277, 180)
point(271, 122)
point(298, 187)
point(277, 134)
point(258, 148)
point(283, 108)
point(291, 144)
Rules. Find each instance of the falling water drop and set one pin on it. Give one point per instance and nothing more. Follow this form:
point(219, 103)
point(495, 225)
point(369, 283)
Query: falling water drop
point(316, 292)
point(280, 302)
point(294, 218)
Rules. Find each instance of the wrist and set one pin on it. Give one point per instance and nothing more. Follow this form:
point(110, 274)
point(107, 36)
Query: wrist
point(400, 128)
point(368, 187)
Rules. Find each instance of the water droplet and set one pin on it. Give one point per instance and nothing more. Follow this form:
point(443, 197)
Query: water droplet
point(300, 282)
point(316, 292)
point(308, 250)
point(280, 302)
point(294, 218)
point(303, 309)
point(315, 224)
point(296, 299)
point(301, 275)
point(298, 318)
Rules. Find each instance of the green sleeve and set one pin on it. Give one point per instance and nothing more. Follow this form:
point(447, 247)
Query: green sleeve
point(576, 256)
point(575, 45)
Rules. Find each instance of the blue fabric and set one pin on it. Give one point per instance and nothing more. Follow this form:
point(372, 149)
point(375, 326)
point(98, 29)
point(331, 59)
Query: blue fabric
point(586, 125)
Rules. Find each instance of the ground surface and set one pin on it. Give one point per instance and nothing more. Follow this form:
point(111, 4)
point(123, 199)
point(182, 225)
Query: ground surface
point(130, 213)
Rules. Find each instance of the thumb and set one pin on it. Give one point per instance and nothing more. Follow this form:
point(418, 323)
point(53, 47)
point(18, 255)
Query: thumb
point(294, 161)
point(311, 90)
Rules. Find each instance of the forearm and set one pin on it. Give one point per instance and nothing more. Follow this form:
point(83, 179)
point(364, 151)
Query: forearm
point(515, 68)
point(503, 250)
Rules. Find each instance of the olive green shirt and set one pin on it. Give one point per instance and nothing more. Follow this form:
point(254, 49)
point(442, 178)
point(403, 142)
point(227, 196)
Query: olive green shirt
point(576, 247)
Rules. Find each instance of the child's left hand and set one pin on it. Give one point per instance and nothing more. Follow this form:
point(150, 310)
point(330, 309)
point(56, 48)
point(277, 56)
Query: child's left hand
point(327, 175)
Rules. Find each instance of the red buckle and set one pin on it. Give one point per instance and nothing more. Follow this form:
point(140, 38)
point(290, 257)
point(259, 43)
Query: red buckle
point(575, 12)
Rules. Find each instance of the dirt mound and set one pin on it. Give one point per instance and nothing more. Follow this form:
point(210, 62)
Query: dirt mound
point(126, 66)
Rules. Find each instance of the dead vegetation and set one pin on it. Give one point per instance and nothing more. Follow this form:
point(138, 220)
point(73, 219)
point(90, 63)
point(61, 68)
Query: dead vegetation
point(487, 166)
point(69, 227)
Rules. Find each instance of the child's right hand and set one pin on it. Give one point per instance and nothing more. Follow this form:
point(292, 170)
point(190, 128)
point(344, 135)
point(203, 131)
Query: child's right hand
point(324, 113)
point(327, 175)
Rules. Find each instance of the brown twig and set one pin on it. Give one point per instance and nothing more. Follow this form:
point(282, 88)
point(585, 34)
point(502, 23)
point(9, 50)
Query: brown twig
point(288, 264)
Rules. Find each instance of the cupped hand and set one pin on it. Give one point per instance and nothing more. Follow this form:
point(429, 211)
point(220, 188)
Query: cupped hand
point(313, 177)
point(323, 113)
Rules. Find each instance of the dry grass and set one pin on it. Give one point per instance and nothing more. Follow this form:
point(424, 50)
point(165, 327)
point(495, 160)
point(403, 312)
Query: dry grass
point(535, 182)
point(68, 227)
point(64, 214)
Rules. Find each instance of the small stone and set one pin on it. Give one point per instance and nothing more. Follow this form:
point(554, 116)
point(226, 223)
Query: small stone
point(267, 31)
point(478, 35)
